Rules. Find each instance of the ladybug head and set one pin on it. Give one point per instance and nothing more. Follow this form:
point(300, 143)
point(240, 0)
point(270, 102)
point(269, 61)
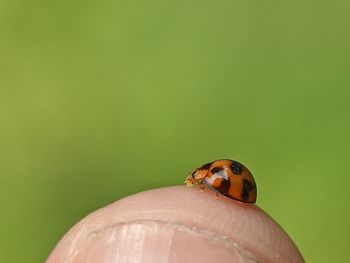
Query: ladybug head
point(190, 180)
point(196, 177)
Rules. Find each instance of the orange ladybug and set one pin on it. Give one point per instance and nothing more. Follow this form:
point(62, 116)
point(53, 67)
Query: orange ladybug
point(227, 177)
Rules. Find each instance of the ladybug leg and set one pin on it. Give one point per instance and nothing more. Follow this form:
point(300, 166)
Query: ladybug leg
point(201, 187)
point(216, 195)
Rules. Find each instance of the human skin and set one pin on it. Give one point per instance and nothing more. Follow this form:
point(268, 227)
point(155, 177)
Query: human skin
point(176, 224)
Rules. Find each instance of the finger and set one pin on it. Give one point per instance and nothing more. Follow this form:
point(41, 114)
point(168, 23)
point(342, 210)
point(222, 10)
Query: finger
point(176, 224)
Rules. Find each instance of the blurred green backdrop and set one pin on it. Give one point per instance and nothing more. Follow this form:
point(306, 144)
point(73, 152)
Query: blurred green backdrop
point(101, 99)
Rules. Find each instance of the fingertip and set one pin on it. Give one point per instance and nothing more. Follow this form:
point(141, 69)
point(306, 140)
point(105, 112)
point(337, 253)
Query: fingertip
point(150, 241)
point(245, 225)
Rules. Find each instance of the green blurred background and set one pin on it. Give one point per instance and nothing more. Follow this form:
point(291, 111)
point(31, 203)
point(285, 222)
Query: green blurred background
point(102, 99)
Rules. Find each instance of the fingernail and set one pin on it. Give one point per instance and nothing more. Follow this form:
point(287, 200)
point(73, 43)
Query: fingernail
point(157, 241)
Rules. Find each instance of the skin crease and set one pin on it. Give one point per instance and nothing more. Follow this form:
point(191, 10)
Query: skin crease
point(176, 224)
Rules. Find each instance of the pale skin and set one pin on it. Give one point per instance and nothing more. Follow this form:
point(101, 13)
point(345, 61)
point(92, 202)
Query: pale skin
point(176, 224)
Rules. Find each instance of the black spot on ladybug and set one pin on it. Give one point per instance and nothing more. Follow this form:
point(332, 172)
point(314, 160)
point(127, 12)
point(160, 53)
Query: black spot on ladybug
point(216, 170)
point(205, 166)
point(247, 188)
point(224, 187)
point(237, 168)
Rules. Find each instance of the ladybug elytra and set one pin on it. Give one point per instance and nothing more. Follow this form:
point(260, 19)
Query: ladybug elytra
point(227, 177)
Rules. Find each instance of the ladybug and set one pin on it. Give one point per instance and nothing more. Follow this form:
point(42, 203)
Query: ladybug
point(227, 177)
